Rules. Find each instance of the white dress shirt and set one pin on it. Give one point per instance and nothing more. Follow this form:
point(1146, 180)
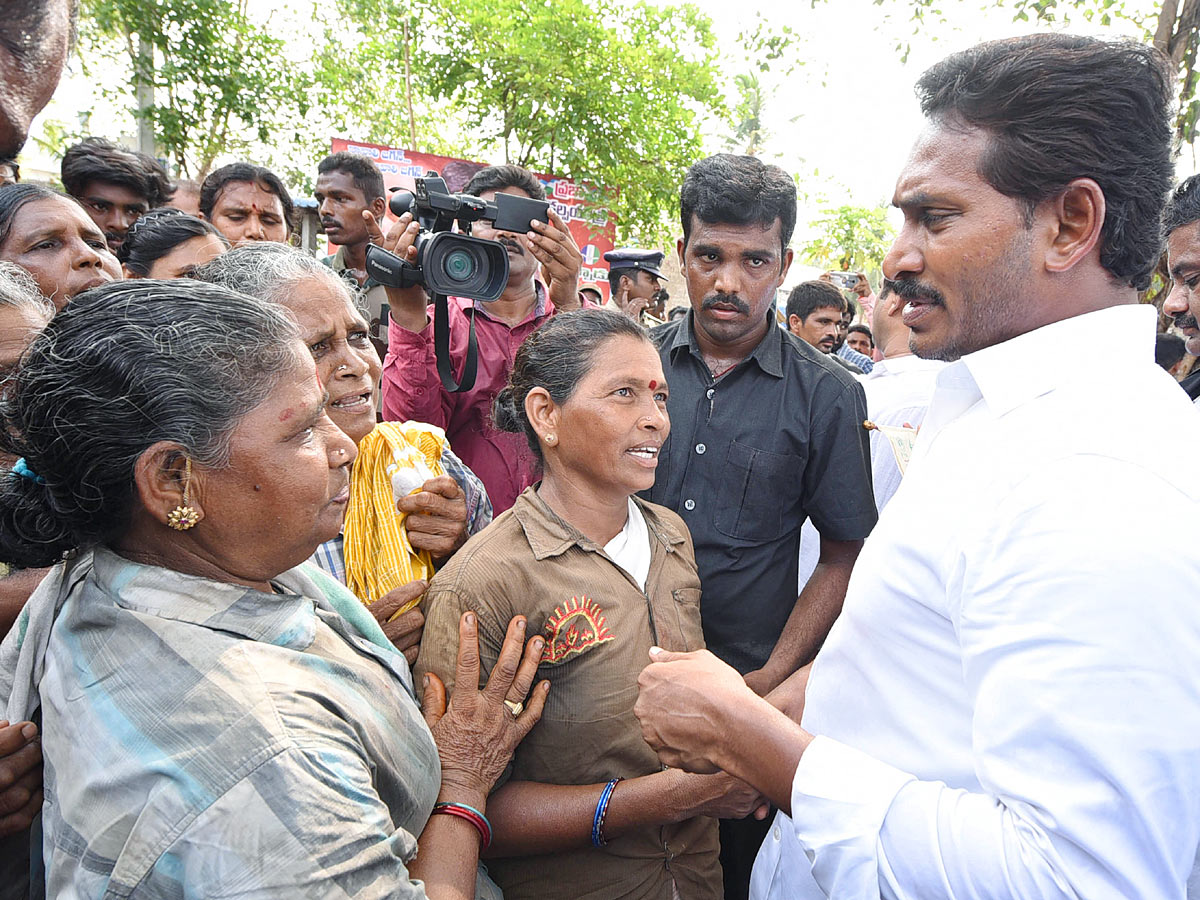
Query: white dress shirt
point(1009, 704)
point(898, 392)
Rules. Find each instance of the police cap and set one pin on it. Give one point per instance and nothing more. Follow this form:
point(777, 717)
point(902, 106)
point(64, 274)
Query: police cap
point(629, 258)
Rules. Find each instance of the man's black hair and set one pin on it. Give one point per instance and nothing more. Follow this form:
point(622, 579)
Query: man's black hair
point(366, 175)
point(809, 296)
point(1183, 206)
point(861, 329)
point(1058, 107)
point(1168, 349)
point(496, 178)
point(247, 172)
point(614, 278)
point(738, 190)
point(97, 159)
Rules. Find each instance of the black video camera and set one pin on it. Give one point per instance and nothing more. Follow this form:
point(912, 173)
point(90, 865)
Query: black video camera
point(454, 264)
point(448, 263)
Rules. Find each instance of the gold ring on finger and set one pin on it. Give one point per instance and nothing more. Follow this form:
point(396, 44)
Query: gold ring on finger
point(516, 708)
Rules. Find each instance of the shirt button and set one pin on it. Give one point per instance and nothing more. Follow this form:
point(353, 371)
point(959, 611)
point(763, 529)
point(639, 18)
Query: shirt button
point(711, 393)
point(689, 504)
point(700, 448)
point(775, 832)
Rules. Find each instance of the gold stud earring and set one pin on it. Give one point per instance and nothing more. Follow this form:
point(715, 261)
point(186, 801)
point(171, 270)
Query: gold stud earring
point(184, 516)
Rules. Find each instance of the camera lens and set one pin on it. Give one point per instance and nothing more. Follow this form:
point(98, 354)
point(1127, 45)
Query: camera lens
point(460, 265)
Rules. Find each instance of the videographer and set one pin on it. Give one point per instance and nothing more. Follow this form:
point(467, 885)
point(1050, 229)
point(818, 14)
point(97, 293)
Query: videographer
point(412, 388)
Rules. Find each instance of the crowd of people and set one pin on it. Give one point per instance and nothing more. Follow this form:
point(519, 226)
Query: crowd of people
point(724, 607)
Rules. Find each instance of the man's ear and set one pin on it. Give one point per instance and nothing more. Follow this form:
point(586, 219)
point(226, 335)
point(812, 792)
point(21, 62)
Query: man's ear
point(542, 412)
point(786, 261)
point(378, 207)
point(794, 323)
point(1076, 223)
point(679, 248)
point(161, 478)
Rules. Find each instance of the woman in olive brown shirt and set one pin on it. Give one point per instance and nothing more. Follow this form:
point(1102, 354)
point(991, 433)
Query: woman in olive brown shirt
point(587, 811)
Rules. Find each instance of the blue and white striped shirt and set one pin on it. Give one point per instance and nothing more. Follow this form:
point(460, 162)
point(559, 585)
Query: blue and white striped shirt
point(204, 739)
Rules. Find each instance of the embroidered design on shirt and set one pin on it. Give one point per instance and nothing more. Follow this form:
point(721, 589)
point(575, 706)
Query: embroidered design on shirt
point(575, 626)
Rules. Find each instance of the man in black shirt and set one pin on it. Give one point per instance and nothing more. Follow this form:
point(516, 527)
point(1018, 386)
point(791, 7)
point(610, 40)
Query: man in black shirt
point(765, 433)
point(1181, 225)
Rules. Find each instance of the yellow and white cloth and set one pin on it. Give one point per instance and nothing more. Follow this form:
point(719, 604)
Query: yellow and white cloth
point(394, 460)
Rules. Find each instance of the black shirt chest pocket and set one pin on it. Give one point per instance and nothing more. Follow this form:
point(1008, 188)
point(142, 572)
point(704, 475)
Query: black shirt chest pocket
point(758, 492)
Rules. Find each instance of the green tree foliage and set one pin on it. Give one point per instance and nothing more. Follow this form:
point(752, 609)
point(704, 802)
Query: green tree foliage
point(603, 91)
point(851, 238)
point(220, 81)
point(749, 131)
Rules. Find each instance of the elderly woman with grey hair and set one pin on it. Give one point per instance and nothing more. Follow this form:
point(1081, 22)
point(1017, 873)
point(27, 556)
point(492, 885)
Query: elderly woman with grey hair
point(445, 510)
point(218, 718)
point(23, 313)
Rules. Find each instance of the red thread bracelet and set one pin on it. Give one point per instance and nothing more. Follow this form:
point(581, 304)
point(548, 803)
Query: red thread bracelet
point(472, 815)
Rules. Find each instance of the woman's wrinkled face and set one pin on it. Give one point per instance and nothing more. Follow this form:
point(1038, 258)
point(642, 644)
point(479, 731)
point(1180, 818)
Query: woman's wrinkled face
point(287, 484)
point(57, 243)
point(610, 430)
point(19, 325)
point(339, 339)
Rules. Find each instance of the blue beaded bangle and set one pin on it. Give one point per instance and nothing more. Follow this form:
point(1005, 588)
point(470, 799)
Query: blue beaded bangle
point(601, 809)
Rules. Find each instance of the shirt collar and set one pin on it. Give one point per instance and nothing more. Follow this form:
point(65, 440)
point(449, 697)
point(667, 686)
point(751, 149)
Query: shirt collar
point(768, 354)
point(900, 365)
point(548, 535)
point(542, 306)
point(1032, 364)
point(337, 262)
point(285, 619)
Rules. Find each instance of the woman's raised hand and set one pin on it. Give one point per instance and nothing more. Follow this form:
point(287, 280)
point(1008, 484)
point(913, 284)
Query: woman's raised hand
point(478, 731)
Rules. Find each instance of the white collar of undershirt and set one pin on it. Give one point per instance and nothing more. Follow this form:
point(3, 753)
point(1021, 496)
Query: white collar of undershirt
point(630, 549)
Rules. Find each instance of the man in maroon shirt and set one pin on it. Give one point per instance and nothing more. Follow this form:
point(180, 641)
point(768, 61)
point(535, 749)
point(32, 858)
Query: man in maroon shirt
point(412, 388)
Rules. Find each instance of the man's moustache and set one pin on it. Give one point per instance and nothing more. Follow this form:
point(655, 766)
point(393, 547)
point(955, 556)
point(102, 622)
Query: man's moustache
point(512, 245)
point(1186, 320)
point(728, 299)
point(911, 289)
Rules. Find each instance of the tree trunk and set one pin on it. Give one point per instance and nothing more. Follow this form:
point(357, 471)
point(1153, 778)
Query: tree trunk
point(408, 95)
point(1175, 28)
point(143, 79)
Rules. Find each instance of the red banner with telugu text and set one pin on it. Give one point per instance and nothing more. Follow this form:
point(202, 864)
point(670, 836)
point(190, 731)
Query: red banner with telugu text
point(400, 167)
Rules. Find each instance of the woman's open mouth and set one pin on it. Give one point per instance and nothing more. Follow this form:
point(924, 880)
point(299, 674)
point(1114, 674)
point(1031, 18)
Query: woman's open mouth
point(354, 403)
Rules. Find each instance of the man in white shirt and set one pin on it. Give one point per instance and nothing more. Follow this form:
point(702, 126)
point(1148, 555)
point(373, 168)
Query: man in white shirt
point(1009, 704)
point(898, 391)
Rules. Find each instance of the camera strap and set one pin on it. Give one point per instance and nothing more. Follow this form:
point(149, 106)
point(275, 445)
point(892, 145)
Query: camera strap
point(441, 347)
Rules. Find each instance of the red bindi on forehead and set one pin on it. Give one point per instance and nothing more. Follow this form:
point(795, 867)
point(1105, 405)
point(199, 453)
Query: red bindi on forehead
point(653, 384)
